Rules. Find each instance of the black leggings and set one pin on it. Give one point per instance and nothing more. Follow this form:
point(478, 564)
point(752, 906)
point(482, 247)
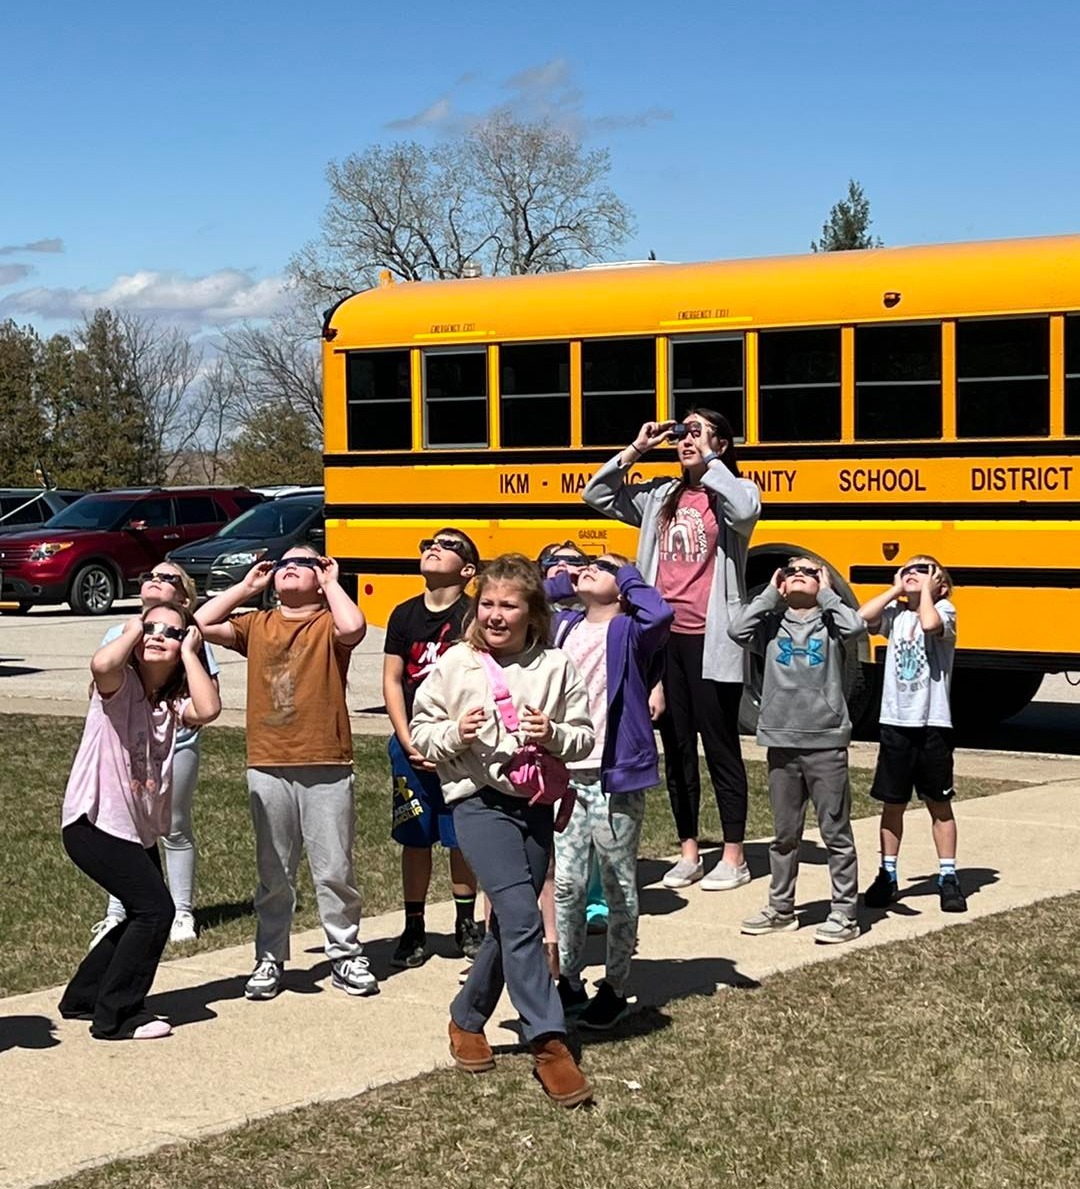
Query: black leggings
point(113, 980)
point(697, 706)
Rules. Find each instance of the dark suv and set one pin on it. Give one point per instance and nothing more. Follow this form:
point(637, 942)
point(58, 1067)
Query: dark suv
point(263, 532)
point(24, 507)
point(93, 552)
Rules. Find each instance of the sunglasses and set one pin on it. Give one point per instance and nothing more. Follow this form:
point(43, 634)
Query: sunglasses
point(917, 567)
point(172, 579)
point(609, 567)
point(163, 629)
point(302, 563)
point(806, 571)
point(558, 559)
point(458, 547)
point(678, 432)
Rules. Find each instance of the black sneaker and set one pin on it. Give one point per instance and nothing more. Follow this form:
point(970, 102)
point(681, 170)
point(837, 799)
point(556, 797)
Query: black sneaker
point(952, 898)
point(411, 951)
point(469, 935)
point(605, 1010)
point(882, 892)
point(573, 1002)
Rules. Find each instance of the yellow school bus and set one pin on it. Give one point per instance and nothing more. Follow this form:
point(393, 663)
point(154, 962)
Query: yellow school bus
point(887, 402)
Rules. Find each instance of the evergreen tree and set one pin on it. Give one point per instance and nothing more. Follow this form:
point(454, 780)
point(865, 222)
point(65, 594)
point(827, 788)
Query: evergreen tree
point(275, 444)
point(23, 429)
point(848, 225)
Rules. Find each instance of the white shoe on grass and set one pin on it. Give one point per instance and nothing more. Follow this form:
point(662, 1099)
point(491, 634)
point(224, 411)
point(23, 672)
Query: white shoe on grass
point(183, 928)
point(100, 928)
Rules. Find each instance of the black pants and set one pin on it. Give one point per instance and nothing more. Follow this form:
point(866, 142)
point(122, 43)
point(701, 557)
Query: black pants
point(113, 980)
point(697, 706)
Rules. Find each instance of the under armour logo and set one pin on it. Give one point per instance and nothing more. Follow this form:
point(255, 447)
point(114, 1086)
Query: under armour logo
point(813, 651)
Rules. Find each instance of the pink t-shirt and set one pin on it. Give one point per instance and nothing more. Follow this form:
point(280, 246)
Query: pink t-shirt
point(684, 576)
point(122, 774)
point(586, 646)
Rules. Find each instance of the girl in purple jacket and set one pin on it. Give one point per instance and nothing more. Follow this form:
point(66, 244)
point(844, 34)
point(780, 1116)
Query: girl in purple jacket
point(614, 640)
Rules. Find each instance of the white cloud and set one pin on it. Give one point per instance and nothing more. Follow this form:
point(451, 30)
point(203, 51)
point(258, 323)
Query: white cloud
point(433, 116)
point(219, 298)
point(37, 245)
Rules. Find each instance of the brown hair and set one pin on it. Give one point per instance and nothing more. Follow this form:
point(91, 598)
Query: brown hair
point(518, 570)
point(176, 684)
point(472, 554)
point(618, 558)
point(946, 577)
point(722, 428)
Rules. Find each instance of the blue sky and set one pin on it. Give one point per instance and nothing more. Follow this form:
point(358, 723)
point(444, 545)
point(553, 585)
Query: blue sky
point(177, 152)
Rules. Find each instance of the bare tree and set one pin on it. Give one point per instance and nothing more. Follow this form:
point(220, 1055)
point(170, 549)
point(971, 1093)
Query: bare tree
point(221, 399)
point(510, 196)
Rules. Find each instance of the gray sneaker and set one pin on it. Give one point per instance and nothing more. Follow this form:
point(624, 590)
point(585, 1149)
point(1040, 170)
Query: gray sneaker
point(265, 981)
point(684, 873)
point(354, 977)
point(836, 928)
point(725, 877)
point(770, 921)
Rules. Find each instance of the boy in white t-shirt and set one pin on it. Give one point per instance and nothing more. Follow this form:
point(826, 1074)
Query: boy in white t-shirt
point(916, 751)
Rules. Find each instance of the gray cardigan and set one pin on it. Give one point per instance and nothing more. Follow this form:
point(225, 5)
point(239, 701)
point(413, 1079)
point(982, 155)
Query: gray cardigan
point(737, 504)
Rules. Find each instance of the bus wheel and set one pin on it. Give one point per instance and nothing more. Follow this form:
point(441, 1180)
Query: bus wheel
point(981, 696)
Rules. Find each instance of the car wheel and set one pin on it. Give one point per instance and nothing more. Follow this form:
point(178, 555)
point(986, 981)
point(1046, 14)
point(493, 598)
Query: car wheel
point(94, 590)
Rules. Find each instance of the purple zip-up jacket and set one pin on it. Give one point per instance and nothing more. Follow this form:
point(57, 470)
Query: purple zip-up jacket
point(629, 763)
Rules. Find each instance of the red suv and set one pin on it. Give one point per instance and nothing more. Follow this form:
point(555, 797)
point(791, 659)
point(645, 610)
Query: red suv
point(93, 552)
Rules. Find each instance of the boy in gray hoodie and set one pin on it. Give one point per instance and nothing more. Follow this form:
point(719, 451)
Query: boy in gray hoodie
point(800, 625)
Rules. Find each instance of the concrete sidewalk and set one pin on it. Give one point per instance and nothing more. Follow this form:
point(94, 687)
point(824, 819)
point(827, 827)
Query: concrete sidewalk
point(70, 1102)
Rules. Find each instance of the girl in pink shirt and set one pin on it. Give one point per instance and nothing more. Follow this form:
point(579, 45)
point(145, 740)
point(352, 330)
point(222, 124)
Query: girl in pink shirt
point(147, 682)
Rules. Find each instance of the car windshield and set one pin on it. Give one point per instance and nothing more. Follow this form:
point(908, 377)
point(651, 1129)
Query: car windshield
point(93, 511)
point(274, 519)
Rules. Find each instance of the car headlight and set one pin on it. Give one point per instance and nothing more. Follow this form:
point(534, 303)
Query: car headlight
point(49, 549)
point(246, 557)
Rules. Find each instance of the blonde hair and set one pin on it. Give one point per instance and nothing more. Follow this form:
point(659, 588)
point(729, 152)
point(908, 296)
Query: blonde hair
point(187, 584)
point(519, 571)
point(946, 577)
point(617, 558)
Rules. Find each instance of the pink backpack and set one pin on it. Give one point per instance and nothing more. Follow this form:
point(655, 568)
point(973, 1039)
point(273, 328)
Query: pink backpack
point(531, 769)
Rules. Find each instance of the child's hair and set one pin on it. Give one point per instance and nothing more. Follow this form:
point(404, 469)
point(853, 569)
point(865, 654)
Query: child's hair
point(946, 577)
point(518, 570)
point(722, 428)
point(556, 547)
point(472, 554)
point(187, 584)
point(618, 558)
point(810, 557)
point(176, 684)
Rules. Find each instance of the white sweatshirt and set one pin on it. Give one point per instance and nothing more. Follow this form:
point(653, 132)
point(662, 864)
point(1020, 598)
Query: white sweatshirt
point(543, 678)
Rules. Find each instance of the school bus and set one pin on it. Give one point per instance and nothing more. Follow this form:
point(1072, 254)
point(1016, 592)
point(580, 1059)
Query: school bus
point(886, 402)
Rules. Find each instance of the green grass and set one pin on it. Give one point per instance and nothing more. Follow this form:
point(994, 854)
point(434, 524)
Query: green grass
point(951, 1061)
point(47, 906)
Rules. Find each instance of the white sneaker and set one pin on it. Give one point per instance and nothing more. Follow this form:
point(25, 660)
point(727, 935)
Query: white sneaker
point(353, 976)
point(100, 928)
point(183, 928)
point(725, 877)
point(684, 873)
point(265, 980)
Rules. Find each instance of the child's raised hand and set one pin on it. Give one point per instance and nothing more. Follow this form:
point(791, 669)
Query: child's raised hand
point(133, 627)
point(258, 577)
point(191, 642)
point(327, 572)
point(536, 726)
point(778, 580)
point(824, 578)
point(470, 722)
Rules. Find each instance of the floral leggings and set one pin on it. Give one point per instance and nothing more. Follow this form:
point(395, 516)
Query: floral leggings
point(610, 825)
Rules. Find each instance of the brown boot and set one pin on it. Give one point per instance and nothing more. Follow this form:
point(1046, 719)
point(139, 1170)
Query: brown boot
point(558, 1072)
point(470, 1050)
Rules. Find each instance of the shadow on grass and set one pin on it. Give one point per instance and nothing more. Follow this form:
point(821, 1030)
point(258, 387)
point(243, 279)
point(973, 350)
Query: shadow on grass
point(27, 1032)
point(210, 915)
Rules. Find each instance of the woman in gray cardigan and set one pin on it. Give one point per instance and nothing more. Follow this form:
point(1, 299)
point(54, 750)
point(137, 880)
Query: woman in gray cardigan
point(692, 546)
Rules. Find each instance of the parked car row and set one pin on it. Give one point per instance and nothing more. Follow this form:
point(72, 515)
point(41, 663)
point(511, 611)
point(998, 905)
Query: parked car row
point(94, 547)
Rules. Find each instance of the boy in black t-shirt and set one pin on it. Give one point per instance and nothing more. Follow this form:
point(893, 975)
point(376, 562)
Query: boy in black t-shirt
point(420, 630)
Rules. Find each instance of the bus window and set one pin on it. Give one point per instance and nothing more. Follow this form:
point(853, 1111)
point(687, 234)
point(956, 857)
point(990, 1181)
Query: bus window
point(1003, 378)
point(898, 381)
point(709, 372)
point(799, 389)
point(378, 396)
point(455, 398)
point(618, 385)
point(1072, 374)
point(534, 394)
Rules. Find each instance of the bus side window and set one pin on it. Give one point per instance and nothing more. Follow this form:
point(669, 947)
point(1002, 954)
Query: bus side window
point(534, 394)
point(1003, 378)
point(378, 395)
point(455, 398)
point(799, 387)
point(1072, 374)
point(898, 381)
point(709, 372)
point(618, 388)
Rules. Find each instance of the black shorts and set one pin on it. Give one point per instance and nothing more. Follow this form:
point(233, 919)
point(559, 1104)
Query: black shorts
point(918, 759)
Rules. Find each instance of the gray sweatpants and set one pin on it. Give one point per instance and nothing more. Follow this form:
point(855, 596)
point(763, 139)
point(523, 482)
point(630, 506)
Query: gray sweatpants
point(821, 777)
point(508, 844)
point(308, 807)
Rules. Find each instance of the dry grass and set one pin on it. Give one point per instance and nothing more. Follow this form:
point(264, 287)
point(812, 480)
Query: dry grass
point(951, 1060)
point(47, 906)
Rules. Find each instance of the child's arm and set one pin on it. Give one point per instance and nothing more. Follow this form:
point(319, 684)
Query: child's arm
point(848, 622)
point(107, 665)
point(350, 626)
point(559, 588)
point(434, 733)
point(205, 703)
point(747, 626)
point(573, 737)
point(929, 616)
point(873, 609)
point(393, 688)
point(648, 610)
point(213, 616)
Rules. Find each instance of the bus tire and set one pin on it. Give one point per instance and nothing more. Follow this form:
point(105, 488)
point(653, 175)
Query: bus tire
point(982, 696)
